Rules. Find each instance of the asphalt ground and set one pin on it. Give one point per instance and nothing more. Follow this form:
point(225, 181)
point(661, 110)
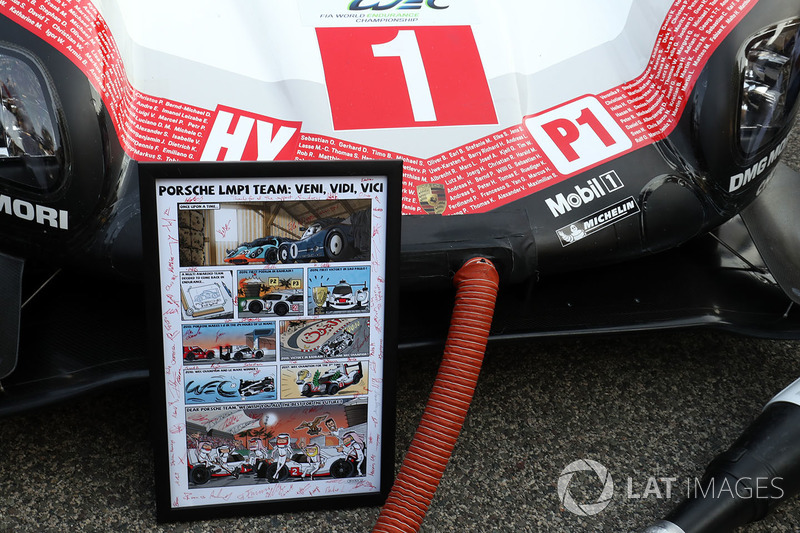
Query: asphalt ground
point(655, 405)
point(652, 408)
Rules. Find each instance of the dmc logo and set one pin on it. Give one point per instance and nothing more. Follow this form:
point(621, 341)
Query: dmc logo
point(585, 509)
point(595, 188)
point(362, 5)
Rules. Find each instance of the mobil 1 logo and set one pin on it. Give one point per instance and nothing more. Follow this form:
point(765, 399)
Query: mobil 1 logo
point(608, 216)
point(583, 194)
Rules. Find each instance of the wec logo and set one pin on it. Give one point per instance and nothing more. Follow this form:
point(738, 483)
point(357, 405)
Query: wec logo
point(361, 5)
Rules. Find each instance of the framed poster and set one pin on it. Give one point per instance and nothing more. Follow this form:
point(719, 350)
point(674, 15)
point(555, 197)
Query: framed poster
point(271, 297)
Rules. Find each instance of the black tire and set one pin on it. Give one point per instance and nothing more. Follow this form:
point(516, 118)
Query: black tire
point(270, 473)
point(261, 468)
point(210, 354)
point(190, 356)
point(333, 388)
point(336, 246)
point(199, 475)
point(306, 391)
point(259, 354)
point(342, 468)
point(357, 377)
point(271, 256)
point(255, 306)
point(237, 356)
point(280, 308)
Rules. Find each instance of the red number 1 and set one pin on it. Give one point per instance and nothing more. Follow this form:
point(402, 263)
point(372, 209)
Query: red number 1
point(400, 77)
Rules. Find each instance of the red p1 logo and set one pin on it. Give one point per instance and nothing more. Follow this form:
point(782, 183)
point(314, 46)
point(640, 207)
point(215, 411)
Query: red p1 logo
point(578, 134)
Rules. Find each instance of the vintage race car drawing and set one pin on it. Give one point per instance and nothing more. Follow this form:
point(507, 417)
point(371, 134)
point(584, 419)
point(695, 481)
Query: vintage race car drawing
point(648, 192)
point(327, 239)
point(264, 250)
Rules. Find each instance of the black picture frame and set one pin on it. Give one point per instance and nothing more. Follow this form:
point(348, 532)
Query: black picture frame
point(180, 439)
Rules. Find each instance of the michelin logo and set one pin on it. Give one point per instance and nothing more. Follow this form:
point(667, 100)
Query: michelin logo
point(598, 220)
point(595, 188)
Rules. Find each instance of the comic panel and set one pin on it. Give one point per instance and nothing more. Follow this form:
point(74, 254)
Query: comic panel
point(338, 290)
point(206, 295)
point(259, 233)
point(284, 442)
point(206, 344)
point(272, 292)
point(324, 339)
point(229, 384)
point(342, 379)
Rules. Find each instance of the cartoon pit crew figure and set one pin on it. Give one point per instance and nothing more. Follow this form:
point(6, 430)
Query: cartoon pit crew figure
point(333, 429)
point(205, 455)
point(353, 446)
point(258, 452)
point(223, 452)
point(315, 461)
point(281, 453)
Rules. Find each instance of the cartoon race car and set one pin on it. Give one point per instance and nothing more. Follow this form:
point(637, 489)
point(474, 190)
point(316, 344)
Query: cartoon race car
point(327, 239)
point(336, 345)
point(278, 302)
point(255, 387)
point(304, 465)
point(263, 250)
point(190, 353)
point(239, 352)
point(342, 297)
point(207, 463)
point(331, 381)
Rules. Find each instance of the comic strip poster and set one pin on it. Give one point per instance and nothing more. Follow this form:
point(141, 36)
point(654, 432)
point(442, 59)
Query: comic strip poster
point(273, 287)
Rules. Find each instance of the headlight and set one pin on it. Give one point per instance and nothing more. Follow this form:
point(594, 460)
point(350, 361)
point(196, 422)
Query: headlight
point(770, 82)
point(31, 143)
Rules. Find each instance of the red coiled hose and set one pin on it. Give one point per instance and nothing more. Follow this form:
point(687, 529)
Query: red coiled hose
point(477, 283)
